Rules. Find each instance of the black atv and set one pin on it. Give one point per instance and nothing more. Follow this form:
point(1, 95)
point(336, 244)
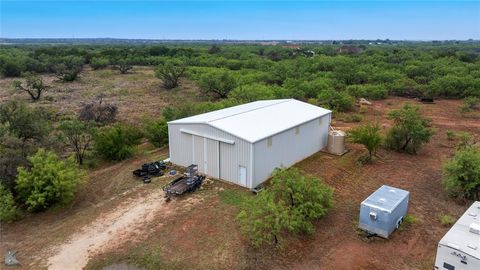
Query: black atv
point(151, 169)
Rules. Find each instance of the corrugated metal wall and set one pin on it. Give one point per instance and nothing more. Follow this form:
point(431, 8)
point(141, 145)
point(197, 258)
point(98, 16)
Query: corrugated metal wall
point(288, 147)
point(213, 158)
point(231, 157)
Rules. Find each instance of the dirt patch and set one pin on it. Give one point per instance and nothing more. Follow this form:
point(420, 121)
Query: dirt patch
point(124, 223)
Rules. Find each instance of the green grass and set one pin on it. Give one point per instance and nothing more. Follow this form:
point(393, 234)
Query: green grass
point(446, 220)
point(408, 221)
point(232, 197)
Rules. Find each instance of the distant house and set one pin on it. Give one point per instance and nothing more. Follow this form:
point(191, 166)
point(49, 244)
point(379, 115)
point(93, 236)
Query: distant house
point(349, 49)
point(244, 144)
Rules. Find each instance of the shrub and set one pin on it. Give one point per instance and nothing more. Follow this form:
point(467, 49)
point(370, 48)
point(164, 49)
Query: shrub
point(450, 135)
point(170, 73)
point(99, 112)
point(368, 91)
point(368, 135)
point(338, 101)
point(461, 174)
point(470, 104)
point(157, 132)
point(99, 62)
point(22, 130)
point(11, 67)
point(117, 142)
point(8, 209)
point(290, 204)
point(353, 118)
point(217, 83)
point(23, 122)
point(34, 86)
point(50, 181)
point(124, 65)
point(465, 139)
point(446, 220)
point(252, 92)
point(410, 129)
point(77, 135)
point(408, 221)
point(68, 68)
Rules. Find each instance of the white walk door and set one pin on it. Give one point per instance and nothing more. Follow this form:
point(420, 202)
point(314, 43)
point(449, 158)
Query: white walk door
point(242, 171)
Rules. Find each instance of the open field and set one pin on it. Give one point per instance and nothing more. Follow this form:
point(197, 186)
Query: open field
point(199, 231)
point(138, 94)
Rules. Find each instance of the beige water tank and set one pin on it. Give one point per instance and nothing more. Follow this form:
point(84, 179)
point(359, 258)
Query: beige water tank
point(336, 142)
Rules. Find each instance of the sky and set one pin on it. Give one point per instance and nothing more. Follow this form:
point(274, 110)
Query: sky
point(245, 20)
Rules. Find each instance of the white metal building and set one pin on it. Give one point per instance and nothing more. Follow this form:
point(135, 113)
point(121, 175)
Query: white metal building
point(459, 249)
point(244, 144)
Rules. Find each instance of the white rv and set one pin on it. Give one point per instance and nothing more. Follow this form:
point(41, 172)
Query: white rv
point(459, 249)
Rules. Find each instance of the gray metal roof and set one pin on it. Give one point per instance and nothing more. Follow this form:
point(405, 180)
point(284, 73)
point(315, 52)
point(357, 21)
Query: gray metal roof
point(386, 198)
point(257, 120)
point(465, 233)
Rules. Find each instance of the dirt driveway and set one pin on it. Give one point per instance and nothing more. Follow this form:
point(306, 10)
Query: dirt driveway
point(124, 223)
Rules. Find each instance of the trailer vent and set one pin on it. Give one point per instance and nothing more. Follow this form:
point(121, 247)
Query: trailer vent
point(472, 214)
point(475, 228)
point(472, 246)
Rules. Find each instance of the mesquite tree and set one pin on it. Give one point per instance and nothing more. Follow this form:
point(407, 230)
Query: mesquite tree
point(368, 135)
point(410, 129)
point(79, 136)
point(170, 73)
point(34, 86)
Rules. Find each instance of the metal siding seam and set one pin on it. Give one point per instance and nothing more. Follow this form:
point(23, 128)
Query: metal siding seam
point(205, 154)
point(218, 159)
point(251, 166)
point(193, 149)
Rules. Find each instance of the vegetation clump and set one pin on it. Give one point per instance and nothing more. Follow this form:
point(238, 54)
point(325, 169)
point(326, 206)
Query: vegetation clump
point(8, 209)
point(446, 220)
point(170, 73)
point(290, 205)
point(99, 63)
point(34, 86)
point(461, 174)
point(79, 136)
point(22, 131)
point(49, 181)
point(117, 142)
point(157, 132)
point(124, 66)
point(217, 83)
point(68, 68)
point(470, 104)
point(369, 135)
point(410, 129)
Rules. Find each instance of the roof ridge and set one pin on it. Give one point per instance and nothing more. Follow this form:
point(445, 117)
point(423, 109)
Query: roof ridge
point(251, 110)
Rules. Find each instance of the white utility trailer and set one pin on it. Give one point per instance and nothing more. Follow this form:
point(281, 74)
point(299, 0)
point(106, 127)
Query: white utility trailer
point(459, 249)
